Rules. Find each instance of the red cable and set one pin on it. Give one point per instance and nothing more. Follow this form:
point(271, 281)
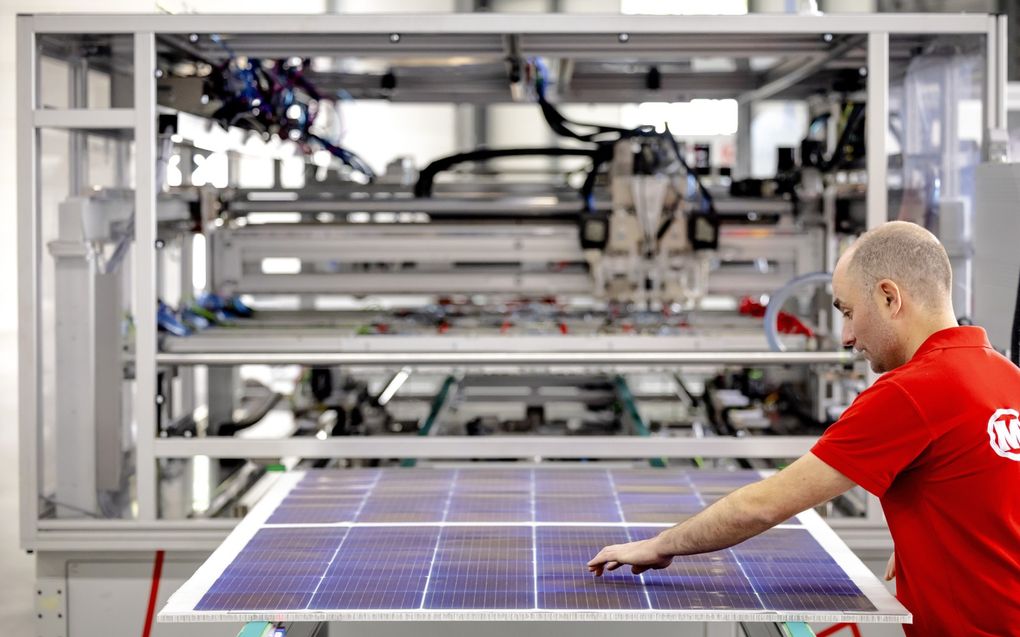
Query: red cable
point(157, 571)
point(838, 627)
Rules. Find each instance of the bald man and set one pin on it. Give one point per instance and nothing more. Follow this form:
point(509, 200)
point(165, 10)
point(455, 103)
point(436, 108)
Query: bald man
point(936, 438)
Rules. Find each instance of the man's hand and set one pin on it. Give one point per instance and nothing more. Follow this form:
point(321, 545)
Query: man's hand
point(890, 568)
point(742, 514)
point(642, 556)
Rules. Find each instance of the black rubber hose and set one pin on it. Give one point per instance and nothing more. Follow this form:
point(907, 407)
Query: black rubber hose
point(560, 125)
point(1014, 340)
point(423, 188)
point(253, 418)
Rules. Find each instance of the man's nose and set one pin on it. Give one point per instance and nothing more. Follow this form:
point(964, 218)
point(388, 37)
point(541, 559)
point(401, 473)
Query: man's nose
point(848, 335)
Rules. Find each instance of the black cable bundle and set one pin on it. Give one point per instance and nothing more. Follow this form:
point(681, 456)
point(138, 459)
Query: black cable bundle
point(1014, 339)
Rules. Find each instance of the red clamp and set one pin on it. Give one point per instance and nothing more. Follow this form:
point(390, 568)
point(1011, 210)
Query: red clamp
point(786, 323)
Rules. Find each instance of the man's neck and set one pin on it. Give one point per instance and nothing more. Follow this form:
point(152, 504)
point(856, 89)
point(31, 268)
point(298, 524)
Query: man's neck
point(926, 329)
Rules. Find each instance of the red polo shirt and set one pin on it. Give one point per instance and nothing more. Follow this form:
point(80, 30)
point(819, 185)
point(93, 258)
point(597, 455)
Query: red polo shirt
point(938, 440)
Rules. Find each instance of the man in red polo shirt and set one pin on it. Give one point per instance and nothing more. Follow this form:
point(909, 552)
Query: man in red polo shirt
point(936, 438)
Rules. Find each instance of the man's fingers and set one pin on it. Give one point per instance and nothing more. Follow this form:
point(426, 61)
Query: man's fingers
point(602, 556)
point(612, 566)
point(637, 570)
point(890, 568)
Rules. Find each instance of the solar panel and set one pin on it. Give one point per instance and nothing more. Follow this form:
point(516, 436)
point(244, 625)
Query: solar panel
point(512, 544)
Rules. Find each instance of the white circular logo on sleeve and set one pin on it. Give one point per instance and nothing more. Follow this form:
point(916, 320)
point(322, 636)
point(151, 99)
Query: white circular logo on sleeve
point(1004, 433)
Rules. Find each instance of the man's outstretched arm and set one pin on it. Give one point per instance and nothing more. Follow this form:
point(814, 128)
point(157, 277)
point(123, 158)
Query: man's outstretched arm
point(742, 514)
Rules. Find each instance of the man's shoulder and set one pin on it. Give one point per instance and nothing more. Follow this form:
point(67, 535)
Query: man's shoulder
point(887, 393)
point(952, 366)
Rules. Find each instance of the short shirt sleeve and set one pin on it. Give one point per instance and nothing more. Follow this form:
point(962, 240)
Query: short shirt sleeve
point(876, 438)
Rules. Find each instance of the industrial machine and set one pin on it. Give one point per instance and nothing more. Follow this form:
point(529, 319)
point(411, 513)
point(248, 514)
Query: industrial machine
point(253, 245)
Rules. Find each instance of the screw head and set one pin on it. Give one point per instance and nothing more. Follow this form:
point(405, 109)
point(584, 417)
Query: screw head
point(623, 37)
point(394, 38)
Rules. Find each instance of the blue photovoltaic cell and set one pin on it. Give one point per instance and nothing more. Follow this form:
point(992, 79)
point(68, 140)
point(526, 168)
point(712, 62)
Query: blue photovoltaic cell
point(563, 579)
point(495, 557)
point(491, 496)
point(325, 498)
point(278, 568)
point(482, 567)
point(698, 582)
point(790, 570)
point(379, 567)
point(585, 495)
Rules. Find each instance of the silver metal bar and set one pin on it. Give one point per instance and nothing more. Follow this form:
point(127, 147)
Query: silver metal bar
point(502, 280)
point(996, 52)
point(442, 359)
point(126, 535)
point(1002, 71)
point(464, 447)
point(784, 82)
point(282, 334)
point(126, 538)
point(29, 301)
point(517, 205)
point(145, 271)
point(82, 524)
point(742, 169)
point(77, 149)
point(877, 125)
point(443, 25)
point(988, 114)
point(539, 206)
point(109, 118)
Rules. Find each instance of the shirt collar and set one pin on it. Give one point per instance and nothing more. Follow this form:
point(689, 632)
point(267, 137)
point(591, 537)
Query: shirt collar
point(962, 336)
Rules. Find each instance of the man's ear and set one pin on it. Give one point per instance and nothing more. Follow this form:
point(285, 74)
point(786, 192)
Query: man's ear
point(889, 296)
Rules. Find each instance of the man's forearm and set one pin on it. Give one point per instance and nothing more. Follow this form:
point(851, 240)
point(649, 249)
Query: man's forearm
point(744, 513)
point(735, 518)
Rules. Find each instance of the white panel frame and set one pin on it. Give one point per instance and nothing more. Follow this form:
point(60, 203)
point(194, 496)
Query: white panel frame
point(180, 608)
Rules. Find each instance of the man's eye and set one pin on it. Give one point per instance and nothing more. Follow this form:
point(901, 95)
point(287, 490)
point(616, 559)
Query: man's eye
point(846, 315)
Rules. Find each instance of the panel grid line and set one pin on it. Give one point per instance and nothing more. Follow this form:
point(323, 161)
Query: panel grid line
point(534, 535)
point(736, 559)
point(453, 544)
point(364, 500)
point(626, 530)
point(439, 537)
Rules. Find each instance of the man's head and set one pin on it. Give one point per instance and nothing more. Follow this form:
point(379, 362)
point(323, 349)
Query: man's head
point(893, 287)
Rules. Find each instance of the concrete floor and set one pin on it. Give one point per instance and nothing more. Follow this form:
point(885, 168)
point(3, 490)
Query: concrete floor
point(17, 567)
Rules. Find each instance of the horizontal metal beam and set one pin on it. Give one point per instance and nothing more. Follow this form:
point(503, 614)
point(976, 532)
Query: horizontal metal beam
point(442, 25)
point(109, 118)
point(289, 332)
point(465, 447)
point(492, 359)
point(536, 206)
point(508, 280)
point(121, 536)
